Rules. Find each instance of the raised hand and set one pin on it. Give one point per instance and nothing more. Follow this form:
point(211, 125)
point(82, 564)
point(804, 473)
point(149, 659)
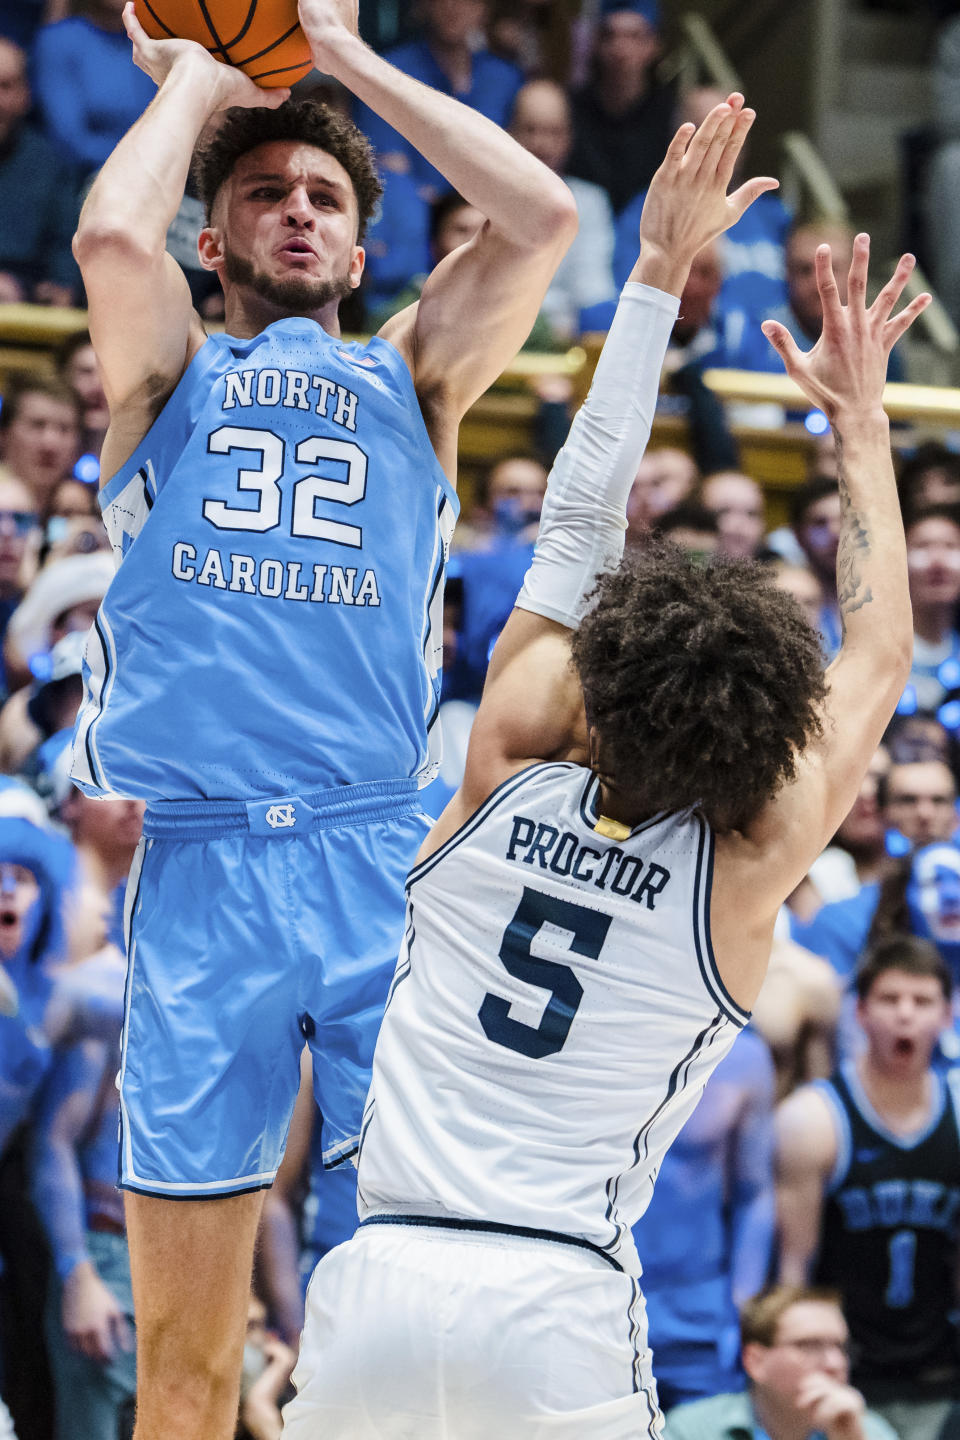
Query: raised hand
point(323, 21)
point(847, 367)
point(227, 85)
point(687, 204)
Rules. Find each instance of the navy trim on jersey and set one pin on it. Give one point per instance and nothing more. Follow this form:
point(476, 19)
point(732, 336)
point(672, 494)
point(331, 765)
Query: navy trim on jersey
point(491, 1227)
point(706, 959)
point(674, 1086)
point(496, 797)
point(841, 1128)
point(634, 1324)
point(339, 1160)
point(867, 1113)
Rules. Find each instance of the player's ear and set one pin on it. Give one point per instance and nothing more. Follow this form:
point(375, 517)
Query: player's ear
point(357, 262)
point(210, 247)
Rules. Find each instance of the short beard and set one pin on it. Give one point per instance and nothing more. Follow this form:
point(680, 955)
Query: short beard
point(297, 295)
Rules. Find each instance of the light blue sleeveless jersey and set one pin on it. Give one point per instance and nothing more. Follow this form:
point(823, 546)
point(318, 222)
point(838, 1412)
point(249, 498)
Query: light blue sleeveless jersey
point(275, 622)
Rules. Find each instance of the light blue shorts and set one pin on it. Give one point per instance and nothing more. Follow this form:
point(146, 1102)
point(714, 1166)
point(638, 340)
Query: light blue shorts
point(251, 930)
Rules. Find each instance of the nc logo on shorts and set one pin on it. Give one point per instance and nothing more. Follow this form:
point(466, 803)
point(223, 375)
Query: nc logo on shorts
point(289, 816)
point(281, 817)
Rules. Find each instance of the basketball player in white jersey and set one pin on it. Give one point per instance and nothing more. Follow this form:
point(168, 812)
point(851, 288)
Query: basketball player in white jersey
point(589, 922)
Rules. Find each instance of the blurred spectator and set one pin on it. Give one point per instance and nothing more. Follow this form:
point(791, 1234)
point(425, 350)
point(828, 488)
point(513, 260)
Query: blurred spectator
point(623, 119)
point(918, 798)
point(87, 87)
point(35, 872)
point(869, 1190)
point(665, 476)
point(921, 736)
point(918, 801)
point(397, 243)
point(796, 1013)
point(933, 563)
point(581, 294)
point(38, 201)
point(691, 526)
point(64, 597)
point(105, 834)
point(18, 532)
point(716, 1183)
point(535, 35)
point(77, 364)
point(795, 1351)
point(39, 433)
point(857, 853)
point(738, 504)
point(751, 252)
point(452, 58)
point(929, 476)
point(35, 712)
point(454, 222)
point(265, 1385)
point(800, 582)
point(491, 576)
point(815, 522)
point(943, 174)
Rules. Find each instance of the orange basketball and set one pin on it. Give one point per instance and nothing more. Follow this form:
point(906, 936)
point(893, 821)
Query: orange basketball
point(261, 37)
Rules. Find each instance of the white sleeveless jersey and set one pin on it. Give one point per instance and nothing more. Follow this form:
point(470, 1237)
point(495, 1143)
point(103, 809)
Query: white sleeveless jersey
point(555, 1014)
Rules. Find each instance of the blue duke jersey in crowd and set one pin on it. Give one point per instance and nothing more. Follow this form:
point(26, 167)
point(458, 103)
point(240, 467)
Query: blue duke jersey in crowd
point(554, 1016)
point(274, 626)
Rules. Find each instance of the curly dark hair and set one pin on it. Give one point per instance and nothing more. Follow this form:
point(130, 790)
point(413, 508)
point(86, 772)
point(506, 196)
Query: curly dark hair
point(704, 683)
point(308, 122)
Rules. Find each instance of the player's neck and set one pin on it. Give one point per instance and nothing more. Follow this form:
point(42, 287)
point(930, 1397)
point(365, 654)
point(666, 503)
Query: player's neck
point(778, 1417)
point(616, 804)
point(902, 1100)
point(247, 314)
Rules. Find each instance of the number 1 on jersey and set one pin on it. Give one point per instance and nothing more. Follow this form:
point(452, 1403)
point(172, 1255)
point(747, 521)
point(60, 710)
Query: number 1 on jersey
point(588, 929)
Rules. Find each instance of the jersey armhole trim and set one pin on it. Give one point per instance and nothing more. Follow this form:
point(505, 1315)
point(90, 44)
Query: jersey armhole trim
point(496, 797)
point(706, 959)
point(203, 361)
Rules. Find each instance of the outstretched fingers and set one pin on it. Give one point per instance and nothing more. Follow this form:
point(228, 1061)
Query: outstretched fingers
point(730, 154)
point(677, 148)
point(750, 190)
point(901, 323)
point(782, 341)
point(703, 139)
point(882, 307)
point(828, 288)
point(857, 275)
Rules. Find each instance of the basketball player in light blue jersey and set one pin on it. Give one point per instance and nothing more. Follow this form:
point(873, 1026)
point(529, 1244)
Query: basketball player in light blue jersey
point(264, 670)
point(591, 918)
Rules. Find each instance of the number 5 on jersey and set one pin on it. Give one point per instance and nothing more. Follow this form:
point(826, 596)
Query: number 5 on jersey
point(264, 481)
point(588, 930)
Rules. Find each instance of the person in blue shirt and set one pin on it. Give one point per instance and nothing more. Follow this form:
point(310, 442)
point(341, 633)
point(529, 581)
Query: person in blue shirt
point(87, 88)
point(264, 668)
point(38, 201)
point(716, 1183)
point(448, 58)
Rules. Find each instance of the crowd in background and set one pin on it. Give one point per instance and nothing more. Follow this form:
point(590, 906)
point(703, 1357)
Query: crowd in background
point(779, 1178)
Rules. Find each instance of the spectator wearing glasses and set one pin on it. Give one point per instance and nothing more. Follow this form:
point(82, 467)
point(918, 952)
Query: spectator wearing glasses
point(795, 1351)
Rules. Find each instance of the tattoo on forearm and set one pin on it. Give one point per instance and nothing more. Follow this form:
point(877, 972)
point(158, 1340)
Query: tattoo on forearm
point(853, 592)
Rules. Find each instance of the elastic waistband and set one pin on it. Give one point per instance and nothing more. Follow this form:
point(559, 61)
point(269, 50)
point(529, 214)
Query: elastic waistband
point(282, 815)
point(491, 1227)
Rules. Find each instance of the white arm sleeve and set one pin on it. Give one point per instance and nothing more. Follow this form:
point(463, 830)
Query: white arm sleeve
point(584, 513)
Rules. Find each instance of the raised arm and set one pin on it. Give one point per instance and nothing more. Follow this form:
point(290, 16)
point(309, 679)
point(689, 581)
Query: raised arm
point(532, 707)
point(844, 376)
point(479, 304)
point(142, 320)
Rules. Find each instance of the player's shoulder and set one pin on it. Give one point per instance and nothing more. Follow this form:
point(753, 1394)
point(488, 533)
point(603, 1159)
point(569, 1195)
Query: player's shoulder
point(807, 1124)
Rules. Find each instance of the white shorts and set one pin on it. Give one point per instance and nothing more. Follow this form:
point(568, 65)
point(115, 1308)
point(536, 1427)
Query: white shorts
point(443, 1334)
